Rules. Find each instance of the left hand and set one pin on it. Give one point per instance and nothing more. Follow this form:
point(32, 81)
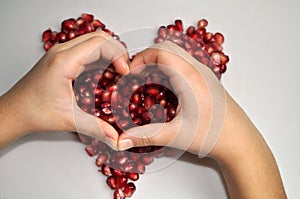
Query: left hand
point(43, 100)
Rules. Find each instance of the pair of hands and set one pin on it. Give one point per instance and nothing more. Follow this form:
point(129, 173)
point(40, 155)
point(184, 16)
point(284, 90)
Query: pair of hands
point(208, 121)
point(44, 98)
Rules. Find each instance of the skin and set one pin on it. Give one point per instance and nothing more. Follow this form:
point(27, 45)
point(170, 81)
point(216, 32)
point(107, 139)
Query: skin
point(247, 163)
point(46, 90)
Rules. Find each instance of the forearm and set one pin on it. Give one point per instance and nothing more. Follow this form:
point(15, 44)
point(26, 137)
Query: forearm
point(248, 165)
point(12, 125)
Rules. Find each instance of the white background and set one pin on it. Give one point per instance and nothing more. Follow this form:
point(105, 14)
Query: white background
point(262, 39)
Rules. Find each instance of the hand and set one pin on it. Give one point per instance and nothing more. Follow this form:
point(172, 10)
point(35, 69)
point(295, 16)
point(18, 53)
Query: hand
point(43, 100)
point(202, 101)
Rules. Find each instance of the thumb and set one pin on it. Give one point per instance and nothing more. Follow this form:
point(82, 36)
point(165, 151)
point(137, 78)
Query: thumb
point(151, 134)
point(90, 125)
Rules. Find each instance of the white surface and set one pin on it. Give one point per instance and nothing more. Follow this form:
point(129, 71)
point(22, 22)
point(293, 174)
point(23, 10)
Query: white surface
point(262, 41)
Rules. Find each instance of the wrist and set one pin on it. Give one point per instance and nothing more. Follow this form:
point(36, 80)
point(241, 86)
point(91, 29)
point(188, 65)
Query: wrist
point(12, 122)
point(247, 163)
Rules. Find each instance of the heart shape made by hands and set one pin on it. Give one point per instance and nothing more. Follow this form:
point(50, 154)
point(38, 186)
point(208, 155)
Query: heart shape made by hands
point(127, 101)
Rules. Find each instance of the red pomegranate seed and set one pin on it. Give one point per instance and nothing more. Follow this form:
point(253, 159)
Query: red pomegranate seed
point(101, 159)
point(106, 96)
point(105, 170)
point(133, 176)
point(224, 59)
point(223, 68)
point(87, 17)
point(219, 38)
point(119, 194)
point(216, 46)
point(129, 189)
point(162, 32)
point(147, 159)
point(179, 25)
point(208, 37)
point(202, 23)
point(128, 167)
point(92, 151)
point(216, 58)
point(112, 182)
point(47, 45)
point(71, 35)
point(69, 24)
point(98, 24)
point(121, 181)
point(201, 31)
point(169, 152)
point(172, 27)
point(152, 91)
point(86, 27)
point(61, 37)
point(46, 35)
point(190, 31)
point(53, 37)
point(140, 168)
point(79, 32)
point(117, 172)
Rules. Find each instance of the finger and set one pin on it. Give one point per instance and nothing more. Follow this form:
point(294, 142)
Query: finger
point(141, 59)
point(91, 50)
point(80, 39)
point(88, 124)
point(146, 135)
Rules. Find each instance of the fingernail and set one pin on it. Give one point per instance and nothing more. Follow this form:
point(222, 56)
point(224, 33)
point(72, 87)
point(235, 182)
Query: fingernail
point(125, 144)
point(126, 67)
point(110, 142)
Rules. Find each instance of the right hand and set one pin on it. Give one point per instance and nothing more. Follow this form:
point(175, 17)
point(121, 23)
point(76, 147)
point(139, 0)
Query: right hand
point(201, 112)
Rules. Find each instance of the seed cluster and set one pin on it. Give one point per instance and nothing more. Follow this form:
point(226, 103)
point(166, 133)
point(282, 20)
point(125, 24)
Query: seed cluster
point(129, 101)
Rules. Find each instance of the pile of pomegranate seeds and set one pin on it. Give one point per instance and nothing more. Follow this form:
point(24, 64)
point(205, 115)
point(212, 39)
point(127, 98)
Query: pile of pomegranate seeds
point(127, 101)
point(205, 46)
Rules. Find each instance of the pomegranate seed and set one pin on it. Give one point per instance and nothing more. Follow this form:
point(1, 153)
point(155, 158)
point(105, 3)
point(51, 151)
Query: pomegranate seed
point(219, 38)
point(71, 35)
point(98, 24)
point(208, 37)
point(129, 189)
point(106, 170)
point(171, 29)
point(47, 45)
point(46, 35)
point(202, 23)
point(140, 168)
point(147, 159)
point(152, 91)
point(118, 172)
point(86, 27)
point(190, 31)
point(162, 32)
point(179, 25)
point(112, 182)
point(69, 24)
point(101, 159)
point(133, 176)
point(92, 151)
point(106, 96)
point(201, 31)
point(170, 152)
point(62, 37)
point(87, 17)
point(121, 181)
point(223, 68)
point(119, 194)
point(216, 58)
point(224, 59)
